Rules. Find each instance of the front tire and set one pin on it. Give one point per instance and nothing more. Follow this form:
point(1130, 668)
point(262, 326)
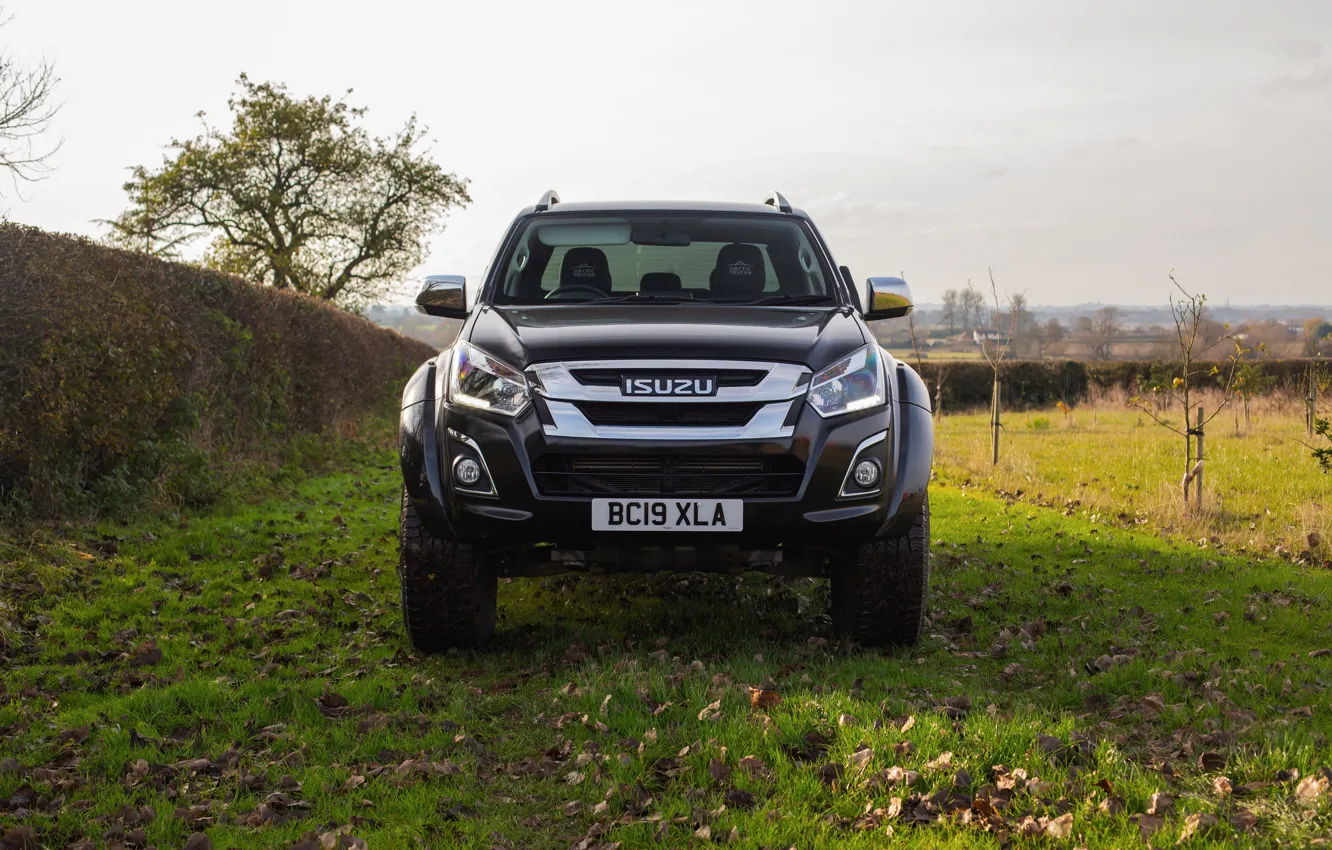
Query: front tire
point(448, 596)
point(880, 592)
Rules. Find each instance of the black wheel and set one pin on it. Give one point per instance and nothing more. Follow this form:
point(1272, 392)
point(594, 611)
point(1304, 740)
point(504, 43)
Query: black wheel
point(448, 597)
point(879, 593)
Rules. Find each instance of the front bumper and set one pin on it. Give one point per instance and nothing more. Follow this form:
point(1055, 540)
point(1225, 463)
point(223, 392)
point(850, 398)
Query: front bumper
point(519, 514)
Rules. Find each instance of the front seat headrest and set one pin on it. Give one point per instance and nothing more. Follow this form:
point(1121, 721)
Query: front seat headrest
point(660, 282)
point(586, 267)
point(740, 271)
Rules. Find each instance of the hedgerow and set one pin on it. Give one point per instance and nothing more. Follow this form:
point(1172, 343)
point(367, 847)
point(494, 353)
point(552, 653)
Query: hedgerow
point(122, 375)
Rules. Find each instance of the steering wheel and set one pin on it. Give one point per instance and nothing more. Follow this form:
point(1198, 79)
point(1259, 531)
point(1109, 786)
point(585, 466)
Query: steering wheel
point(554, 294)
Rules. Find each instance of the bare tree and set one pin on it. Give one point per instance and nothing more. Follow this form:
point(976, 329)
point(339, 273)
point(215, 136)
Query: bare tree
point(1105, 327)
point(1046, 334)
point(1189, 311)
point(952, 306)
point(971, 304)
point(995, 350)
point(26, 108)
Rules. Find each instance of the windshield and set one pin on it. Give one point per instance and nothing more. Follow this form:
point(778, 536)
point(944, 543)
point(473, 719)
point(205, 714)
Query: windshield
point(654, 258)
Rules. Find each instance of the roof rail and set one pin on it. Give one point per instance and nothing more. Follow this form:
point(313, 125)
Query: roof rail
point(778, 200)
point(548, 200)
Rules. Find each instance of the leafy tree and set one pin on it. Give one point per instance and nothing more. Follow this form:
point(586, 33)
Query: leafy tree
point(1323, 455)
point(26, 110)
point(1316, 332)
point(1250, 380)
point(295, 194)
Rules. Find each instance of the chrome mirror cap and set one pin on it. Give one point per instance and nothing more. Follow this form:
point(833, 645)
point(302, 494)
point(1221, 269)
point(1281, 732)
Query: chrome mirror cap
point(888, 298)
point(443, 295)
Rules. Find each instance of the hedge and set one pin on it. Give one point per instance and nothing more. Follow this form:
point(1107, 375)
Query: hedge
point(967, 384)
point(117, 369)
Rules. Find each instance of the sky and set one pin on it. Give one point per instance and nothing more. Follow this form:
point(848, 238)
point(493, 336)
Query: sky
point(1082, 150)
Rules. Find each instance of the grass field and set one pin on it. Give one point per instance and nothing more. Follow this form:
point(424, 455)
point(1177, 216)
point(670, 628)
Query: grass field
point(242, 676)
point(1263, 490)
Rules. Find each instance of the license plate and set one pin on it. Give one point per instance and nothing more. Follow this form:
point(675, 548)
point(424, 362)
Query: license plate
point(668, 515)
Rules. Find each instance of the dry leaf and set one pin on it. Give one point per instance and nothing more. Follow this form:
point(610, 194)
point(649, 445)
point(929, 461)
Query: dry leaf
point(711, 711)
point(1160, 804)
point(1311, 788)
point(1060, 827)
point(1195, 823)
point(761, 699)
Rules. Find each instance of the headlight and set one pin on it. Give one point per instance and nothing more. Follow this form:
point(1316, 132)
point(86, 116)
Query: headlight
point(853, 383)
point(478, 380)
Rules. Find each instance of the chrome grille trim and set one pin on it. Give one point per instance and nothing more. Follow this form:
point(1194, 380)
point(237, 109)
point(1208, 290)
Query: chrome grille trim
point(570, 422)
point(780, 383)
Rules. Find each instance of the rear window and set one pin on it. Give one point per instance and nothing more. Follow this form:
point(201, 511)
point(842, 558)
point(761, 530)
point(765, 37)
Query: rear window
point(645, 256)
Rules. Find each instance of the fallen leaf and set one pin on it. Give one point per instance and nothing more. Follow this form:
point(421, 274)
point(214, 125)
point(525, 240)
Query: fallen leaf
point(711, 711)
point(718, 770)
point(943, 762)
point(1153, 704)
point(1311, 788)
point(761, 699)
point(1222, 785)
point(907, 724)
point(737, 798)
point(1148, 824)
point(198, 841)
point(1061, 827)
point(1196, 823)
point(1211, 761)
point(145, 654)
point(754, 767)
point(958, 706)
point(1243, 820)
point(1160, 804)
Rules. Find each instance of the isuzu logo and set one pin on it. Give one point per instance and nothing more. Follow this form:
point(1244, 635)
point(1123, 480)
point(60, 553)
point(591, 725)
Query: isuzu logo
point(668, 385)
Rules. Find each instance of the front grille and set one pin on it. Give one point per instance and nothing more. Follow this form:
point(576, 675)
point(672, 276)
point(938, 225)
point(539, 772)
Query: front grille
point(669, 413)
point(565, 474)
point(725, 377)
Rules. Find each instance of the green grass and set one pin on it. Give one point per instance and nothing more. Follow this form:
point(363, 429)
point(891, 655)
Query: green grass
point(618, 710)
point(1263, 490)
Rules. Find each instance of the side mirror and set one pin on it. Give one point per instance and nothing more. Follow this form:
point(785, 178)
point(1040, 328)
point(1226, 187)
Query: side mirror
point(887, 298)
point(443, 295)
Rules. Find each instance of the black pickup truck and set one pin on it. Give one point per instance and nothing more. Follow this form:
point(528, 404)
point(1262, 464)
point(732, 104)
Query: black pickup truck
point(664, 386)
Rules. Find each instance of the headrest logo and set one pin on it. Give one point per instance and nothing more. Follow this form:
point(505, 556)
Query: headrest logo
point(740, 267)
point(584, 270)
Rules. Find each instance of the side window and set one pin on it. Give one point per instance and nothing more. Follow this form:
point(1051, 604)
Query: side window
point(550, 278)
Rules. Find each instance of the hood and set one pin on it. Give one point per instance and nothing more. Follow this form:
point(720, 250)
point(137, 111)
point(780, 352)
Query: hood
point(525, 335)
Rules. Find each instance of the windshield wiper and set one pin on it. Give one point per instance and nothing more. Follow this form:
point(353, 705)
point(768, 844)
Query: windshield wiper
point(788, 299)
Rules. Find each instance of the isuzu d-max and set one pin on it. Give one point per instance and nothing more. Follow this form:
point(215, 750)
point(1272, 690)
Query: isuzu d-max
point(664, 386)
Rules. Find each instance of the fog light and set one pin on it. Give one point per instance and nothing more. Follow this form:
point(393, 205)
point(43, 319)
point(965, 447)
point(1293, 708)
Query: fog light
point(867, 473)
point(468, 471)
